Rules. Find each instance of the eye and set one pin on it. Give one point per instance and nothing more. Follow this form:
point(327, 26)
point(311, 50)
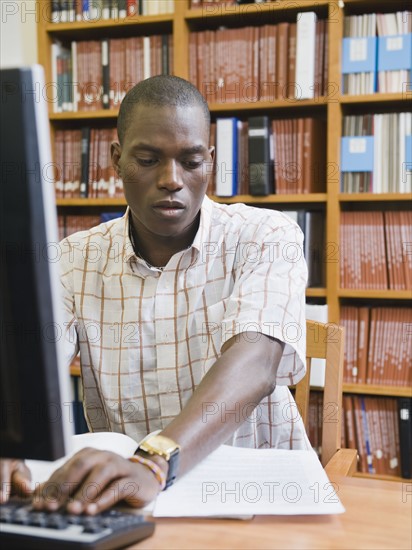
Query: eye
point(146, 162)
point(192, 164)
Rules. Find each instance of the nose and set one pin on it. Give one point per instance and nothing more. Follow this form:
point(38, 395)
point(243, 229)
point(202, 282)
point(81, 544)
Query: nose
point(169, 176)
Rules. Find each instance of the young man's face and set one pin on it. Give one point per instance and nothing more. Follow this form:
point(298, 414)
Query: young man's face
point(164, 163)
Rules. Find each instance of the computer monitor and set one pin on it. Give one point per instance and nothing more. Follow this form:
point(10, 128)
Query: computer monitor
point(35, 404)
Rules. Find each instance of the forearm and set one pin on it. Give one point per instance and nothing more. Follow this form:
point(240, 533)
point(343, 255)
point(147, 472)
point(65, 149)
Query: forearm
point(243, 375)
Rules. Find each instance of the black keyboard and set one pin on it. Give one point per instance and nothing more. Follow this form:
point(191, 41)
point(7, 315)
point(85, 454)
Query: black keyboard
point(24, 528)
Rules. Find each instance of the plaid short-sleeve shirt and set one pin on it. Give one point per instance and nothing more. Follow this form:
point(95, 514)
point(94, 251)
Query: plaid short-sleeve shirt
point(147, 336)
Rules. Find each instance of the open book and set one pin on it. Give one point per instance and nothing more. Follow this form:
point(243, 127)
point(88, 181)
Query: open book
point(230, 482)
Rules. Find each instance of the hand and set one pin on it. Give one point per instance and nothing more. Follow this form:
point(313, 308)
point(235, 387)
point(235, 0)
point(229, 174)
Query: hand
point(15, 478)
point(91, 481)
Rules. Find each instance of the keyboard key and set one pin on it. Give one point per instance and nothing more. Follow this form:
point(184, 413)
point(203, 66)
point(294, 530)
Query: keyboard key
point(24, 527)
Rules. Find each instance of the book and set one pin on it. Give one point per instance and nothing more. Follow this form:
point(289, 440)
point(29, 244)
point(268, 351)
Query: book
point(260, 165)
point(394, 50)
point(405, 435)
point(208, 489)
point(226, 157)
point(85, 153)
point(305, 54)
point(359, 54)
point(314, 247)
point(235, 482)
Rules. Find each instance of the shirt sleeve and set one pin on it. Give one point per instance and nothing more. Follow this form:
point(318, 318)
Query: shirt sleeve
point(269, 293)
point(70, 324)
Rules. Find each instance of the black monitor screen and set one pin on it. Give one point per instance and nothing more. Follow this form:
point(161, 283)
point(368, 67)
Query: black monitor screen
point(34, 391)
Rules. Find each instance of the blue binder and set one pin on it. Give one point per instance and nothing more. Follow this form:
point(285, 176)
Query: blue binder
point(395, 52)
point(357, 154)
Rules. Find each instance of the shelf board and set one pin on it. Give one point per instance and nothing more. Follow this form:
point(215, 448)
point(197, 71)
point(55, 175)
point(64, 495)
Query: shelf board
point(268, 199)
point(316, 292)
point(383, 294)
point(394, 391)
point(228, 10)
point(267, 105)
point(213, 107)
point(99, 23)
point(370, 197)
point(368, 389)
point(79, 115)
point(92, 202)
point(374, 98)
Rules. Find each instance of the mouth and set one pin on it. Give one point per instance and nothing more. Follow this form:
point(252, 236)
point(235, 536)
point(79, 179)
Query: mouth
point(169, 209)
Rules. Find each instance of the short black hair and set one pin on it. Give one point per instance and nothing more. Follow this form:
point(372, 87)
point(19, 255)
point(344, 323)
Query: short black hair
point(161, 91)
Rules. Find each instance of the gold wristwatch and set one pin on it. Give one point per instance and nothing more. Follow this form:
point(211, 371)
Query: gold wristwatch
point(166, 448)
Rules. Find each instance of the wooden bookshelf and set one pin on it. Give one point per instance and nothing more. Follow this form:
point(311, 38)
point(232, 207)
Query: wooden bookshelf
point(371, 389)
point(375, 197)
point(376, 294)
point(331, 106)
point(91, 202)
point(272, 199)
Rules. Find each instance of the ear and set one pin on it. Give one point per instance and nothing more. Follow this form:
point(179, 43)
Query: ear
point(212, 153)
point(116, 153)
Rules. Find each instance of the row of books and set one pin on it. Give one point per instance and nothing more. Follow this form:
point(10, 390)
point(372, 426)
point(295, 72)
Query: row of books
point(256, 157)
point(374, 251)
point(260, 156)
point(376, 153)
point(377, 52)
point(380, 428)
point(378, 345)
point(96, 74)
point(222, 3)
point(83, 166)
point(68, 11)
point(266, 63)
point(69, 224)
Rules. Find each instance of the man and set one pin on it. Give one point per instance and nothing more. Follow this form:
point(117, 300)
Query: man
point(189, 315)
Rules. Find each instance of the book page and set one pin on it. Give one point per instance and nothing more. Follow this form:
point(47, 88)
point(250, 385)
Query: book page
point(235, 481)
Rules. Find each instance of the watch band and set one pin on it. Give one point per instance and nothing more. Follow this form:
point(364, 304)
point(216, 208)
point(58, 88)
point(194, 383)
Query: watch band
point(173, 468)
point(167, 449)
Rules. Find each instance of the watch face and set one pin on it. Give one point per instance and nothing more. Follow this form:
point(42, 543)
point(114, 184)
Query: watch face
point(161, 445)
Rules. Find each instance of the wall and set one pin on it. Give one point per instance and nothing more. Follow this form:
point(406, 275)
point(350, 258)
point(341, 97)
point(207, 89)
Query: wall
point(18, 33)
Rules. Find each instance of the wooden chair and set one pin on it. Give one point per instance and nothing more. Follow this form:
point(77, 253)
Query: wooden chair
point(326, 341)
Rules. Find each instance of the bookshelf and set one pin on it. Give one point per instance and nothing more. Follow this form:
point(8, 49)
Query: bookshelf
point(332, 106)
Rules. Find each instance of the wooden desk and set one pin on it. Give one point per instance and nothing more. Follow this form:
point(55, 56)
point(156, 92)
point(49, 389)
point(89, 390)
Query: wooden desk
point(378, 516)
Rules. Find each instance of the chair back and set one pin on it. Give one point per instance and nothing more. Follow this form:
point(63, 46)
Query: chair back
point(324, 341)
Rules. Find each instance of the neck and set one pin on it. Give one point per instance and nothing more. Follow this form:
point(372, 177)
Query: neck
point(157, 251)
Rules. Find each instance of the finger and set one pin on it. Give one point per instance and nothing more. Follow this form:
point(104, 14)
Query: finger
point(5, 475)
point(102, 476)
point(21, 480)
point(125, 489)
point(137, 489)
point(15, 476)
point(55, 492)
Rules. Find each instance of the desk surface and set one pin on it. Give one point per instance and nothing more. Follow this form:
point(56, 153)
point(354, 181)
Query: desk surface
point(378, 516)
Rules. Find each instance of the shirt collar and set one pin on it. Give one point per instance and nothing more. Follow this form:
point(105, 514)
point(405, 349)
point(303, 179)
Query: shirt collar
point(129, 253)
point(200, 237)
point(203, 231)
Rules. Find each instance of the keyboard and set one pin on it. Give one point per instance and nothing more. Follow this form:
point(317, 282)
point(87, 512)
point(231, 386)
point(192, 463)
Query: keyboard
point(22, 527)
